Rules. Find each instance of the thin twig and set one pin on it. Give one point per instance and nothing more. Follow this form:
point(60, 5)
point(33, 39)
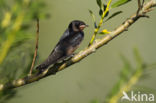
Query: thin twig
point(82, 54)
point(36, 48)
point(140, 5)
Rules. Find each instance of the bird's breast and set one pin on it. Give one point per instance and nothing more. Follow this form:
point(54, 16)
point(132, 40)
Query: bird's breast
point(73, 43)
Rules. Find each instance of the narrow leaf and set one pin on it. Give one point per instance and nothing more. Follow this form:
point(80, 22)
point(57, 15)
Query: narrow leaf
point(113, 15)
point(119, 3)
point(137, 56)
point(99, 3)
point(139, 60)
point(102, 9)
point(93, 17)
point(127, 68)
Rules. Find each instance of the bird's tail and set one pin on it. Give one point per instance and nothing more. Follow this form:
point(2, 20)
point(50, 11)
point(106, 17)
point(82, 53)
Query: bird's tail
point(43, 66)
point(52, 59)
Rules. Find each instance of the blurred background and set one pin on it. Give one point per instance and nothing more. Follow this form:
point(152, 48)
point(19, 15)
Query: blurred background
point(92, 78)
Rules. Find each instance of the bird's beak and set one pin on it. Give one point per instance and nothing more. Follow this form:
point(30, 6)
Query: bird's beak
point(83, 26)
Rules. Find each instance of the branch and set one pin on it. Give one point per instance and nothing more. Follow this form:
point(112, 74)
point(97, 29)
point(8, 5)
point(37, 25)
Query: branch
point(82, 54)
point(100, 23)
point(36, 48)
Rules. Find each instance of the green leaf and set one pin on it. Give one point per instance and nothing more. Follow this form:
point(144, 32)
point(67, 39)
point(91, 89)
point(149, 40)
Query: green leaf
point(20, 39)
point(114, 90)
point(99, 3)
point(93, 17)
point(139, 61)
point(127, 68)
point(113, 15)
point(119, 3)
point(102, 10)
point(95, 101)
point(137, 56)
point(2, 4)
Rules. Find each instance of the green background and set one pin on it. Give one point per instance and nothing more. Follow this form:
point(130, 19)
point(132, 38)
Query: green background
point(94, 76)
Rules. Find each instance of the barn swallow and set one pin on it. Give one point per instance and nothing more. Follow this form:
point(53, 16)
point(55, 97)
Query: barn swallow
point(67, 44)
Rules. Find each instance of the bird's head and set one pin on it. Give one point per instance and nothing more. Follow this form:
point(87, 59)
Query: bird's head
point(77, 25)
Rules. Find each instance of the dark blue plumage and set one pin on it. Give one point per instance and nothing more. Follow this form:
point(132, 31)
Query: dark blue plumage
point(67, 44)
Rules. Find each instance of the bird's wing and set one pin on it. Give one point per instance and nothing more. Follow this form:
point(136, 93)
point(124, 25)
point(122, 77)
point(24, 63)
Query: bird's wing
point(65, 34)
point(59, 50)
point(55, 56)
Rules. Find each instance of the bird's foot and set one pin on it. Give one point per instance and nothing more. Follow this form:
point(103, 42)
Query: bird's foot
point(41, 68)
point(69, 57)
point(40, 71)
point(63, 59)
point(72, 55)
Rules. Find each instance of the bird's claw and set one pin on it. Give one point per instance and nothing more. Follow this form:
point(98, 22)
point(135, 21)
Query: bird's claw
point(69, 57)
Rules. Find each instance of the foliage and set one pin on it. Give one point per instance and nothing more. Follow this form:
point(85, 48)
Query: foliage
point(119, 3)
point(104, 11)
point(129, 76)
point(16, 49)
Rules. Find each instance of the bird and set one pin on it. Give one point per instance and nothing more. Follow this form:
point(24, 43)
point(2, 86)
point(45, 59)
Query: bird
point(68, 43)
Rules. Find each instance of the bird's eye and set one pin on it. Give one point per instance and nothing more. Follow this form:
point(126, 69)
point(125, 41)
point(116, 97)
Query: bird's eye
point(78, 24)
